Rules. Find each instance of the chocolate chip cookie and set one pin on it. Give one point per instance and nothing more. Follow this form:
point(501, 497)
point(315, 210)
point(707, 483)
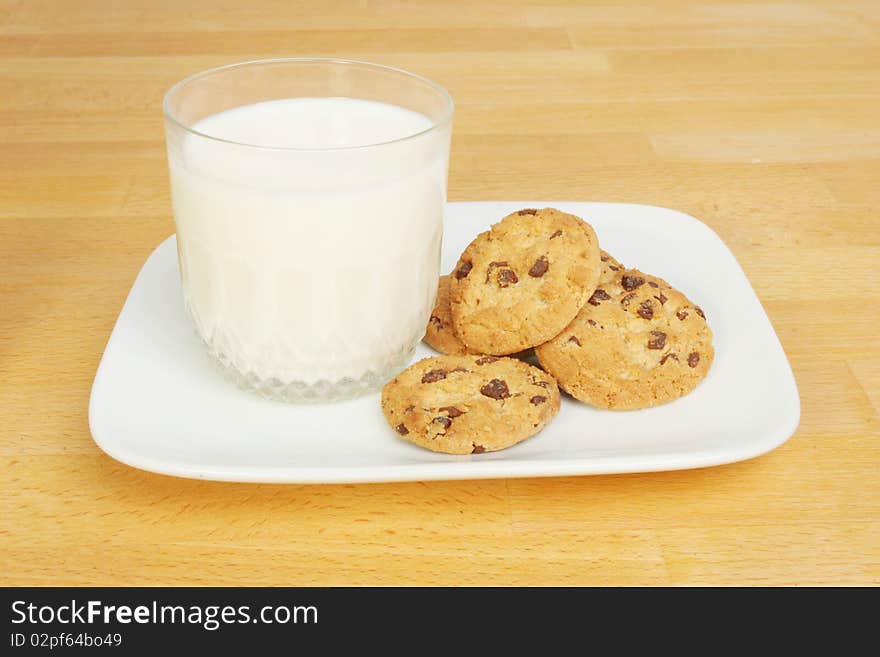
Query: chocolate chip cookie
point(469, 404)
point(440, 333)
point(638, 342)
point(520, 283)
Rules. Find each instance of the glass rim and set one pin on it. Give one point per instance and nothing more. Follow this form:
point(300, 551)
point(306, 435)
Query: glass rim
point(435, 125)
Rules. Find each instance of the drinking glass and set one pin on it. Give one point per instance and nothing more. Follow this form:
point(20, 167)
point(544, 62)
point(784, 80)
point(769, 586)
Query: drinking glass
point(308, 198)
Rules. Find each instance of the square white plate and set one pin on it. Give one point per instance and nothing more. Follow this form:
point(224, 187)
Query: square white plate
point(158, 402)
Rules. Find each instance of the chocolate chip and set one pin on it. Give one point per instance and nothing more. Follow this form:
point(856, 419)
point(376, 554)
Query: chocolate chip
point(539, 268)
point(631, 282)
point(527, 211)
point(401, 429)
point(653, 284)
point(662, 298)
point(496, 389)
point(598, 295)
point(436, 321)
point(575, 340)
point(604, 258)
point(699, 311)
point(493, 266)
point(507, 277)
point(693, 359)
point(657, 341)
point(451, 411)
point(624, 302)
point(444, 421)
point(667, 357)
point(613, 268)
point(538, 399)
point(478, 449)
point(646, 310)
point(556, 234)
point(591, 322)
point(464, 269)
point(485, 360)
point(681, 314)
point(434, 375)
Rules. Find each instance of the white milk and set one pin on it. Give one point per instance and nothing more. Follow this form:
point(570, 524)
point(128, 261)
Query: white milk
point(310, 266)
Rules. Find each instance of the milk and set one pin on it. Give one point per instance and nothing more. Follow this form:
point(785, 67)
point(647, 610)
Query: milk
point(312, 265)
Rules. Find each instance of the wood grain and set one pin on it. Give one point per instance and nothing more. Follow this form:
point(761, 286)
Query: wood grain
point(761, 118)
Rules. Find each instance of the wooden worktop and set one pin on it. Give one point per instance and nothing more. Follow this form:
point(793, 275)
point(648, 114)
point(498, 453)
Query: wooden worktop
point(760, 118)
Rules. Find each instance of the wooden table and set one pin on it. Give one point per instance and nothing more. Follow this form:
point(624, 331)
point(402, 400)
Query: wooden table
point(760, 118)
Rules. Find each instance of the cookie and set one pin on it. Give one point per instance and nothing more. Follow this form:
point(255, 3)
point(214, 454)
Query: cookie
point(520, 283)
point(638, 342)
point(440, 332)
point(469, 404)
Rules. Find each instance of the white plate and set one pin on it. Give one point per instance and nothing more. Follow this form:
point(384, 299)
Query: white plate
point(159, 404)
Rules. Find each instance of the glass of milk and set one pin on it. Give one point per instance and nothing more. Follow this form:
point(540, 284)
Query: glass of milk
point(308, 197)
